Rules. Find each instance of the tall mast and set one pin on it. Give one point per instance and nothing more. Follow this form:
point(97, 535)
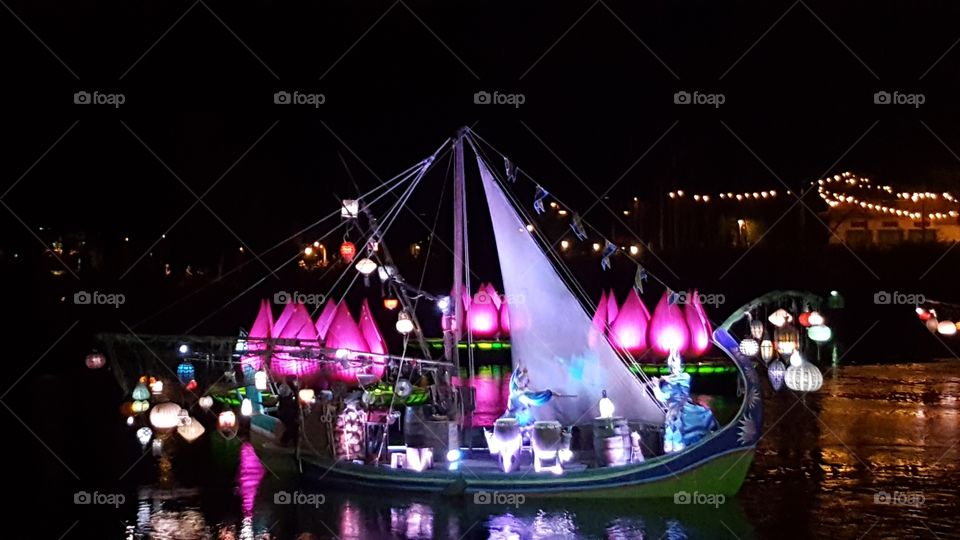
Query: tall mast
point(453, 334)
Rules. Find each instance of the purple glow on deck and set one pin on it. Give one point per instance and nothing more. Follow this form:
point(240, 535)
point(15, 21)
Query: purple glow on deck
point(371, 334)
point(261, 328)
point(249, 476)
point(698, 325)
point(483, 319)
point(629, 331)
point(668, 329)
point(325, 318)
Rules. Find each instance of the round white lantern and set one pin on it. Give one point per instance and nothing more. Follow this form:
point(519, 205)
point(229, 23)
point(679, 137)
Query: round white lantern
point(260, 380)
point(780, 317)
point(947, 328)
point(749, 347)
point(366, 266)
point(815, 318)
point(227, 420)
point(802, 376)
point(404, 323)
point(144, 435)
point(165, 416)
point(246, 407)
point(95, 360)
point(205, 402)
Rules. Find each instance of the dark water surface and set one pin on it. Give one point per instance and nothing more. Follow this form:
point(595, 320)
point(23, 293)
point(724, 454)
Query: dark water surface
point(873, 455)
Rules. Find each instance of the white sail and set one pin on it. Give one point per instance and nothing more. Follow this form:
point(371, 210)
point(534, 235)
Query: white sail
point(550, 331)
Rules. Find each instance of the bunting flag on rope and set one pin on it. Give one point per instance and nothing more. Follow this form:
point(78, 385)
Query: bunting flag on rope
point(538, 199)
point(608, 250)
point(577, 225)
point(511, 170)
point(639, 278)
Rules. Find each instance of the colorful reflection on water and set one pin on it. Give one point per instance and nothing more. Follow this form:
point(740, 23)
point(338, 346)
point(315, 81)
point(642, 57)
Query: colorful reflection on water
point(874, 455)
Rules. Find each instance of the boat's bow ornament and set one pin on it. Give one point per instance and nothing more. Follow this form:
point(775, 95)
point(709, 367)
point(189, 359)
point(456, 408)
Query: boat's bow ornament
point(551, 333)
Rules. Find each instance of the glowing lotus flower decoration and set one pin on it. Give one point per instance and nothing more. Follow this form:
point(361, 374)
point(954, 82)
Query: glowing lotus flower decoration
point(629, 331)
point(345, 334)
point(668, 329)
point(325, 318)
point(698, 325)
point(613, 310)
point(505, 317)
point(599, 327)
point(261, 329)
point(483, 319)
point(299, 326)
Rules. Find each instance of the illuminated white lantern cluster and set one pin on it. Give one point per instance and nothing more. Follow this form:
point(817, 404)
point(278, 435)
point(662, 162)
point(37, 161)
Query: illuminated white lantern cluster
point(749, 347)
point(348, 433)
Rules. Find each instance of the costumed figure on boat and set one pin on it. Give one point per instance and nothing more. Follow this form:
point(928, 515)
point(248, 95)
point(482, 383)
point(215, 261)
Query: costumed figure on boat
point(686, 422)
point(513, 427)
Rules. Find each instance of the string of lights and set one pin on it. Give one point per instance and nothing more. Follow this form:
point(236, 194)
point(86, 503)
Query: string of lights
point(834, 199)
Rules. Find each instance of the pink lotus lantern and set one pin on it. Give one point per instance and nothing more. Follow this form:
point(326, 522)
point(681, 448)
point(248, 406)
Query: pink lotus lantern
point(505, 317)
point(612, 310)
point(698, 325)
point(599, 321)
point(325, 318)
point(345, 334)
point(493, 294)
point(629, 331)
point(283, 318)
point(482, 318)
point(300, 326)
point(371, 334)
point(668, 329)
point(261, 329)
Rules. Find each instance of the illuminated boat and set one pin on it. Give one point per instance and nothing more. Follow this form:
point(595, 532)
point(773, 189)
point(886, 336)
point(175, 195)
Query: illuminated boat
point(590, 388)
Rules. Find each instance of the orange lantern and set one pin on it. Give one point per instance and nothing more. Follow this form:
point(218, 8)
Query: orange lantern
point(804, 318)
point(391, 303)
point(348, 250)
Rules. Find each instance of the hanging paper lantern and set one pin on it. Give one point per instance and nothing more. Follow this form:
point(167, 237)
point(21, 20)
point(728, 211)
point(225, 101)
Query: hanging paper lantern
point(947, 328)
point(749, 347)
point(141, 406)
point(923, 314)
point(668, 329)
point(816, 319)
point(932, 324)
point(246, 407)
point(698, 325)
point(756, 328)
point(819, 333)
point(629, 331)
point(307, 396)
point(144, 435)
point(404, 323)
point(191, 430)
point(483, 319)
point(787, 339)
point(260, 380)
point(391, 303)
point(156, 387)
point(804, 319)
point(165, 416)
point(140, 392)
point(348, 250)
point(95, 360)
point(366, 266)
point(780, 317)
point(767, 350)
point(205, 402)
point(776, 371)
point(802, 376)
point(227, 420)
point(185, 372)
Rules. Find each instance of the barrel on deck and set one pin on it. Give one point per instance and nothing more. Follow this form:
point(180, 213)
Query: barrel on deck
point(611, 441)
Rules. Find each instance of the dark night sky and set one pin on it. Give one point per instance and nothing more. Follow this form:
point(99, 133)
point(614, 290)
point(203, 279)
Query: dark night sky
point(598, 80)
